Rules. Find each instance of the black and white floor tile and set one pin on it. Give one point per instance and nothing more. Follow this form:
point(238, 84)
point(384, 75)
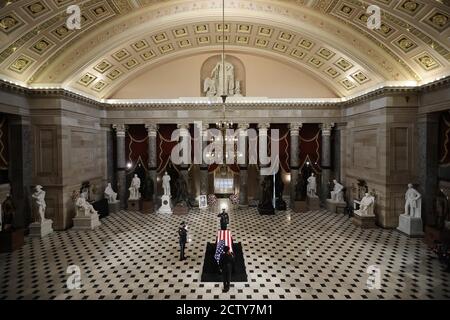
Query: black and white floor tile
point(313, 255)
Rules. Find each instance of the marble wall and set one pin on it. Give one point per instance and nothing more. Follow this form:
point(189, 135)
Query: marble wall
point(70, 148)
point(380, 148)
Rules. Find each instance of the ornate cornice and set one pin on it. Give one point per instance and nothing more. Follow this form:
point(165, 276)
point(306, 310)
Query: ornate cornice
point(287, 104)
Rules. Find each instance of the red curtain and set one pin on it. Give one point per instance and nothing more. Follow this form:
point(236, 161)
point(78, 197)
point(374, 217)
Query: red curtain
point(137, 146)
point(136, 143)
point(310, 146)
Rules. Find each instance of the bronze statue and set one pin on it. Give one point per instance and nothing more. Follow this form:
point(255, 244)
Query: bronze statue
point(8, 212)
point(265, 204)
point(181, 195)
point(148, 188)
point(280, 204)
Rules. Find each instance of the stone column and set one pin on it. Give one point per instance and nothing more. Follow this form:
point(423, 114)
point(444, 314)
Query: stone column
point(326, 160)
point(243, 173)
point(184, 134)
point(121, 165)
point(152, 129)
point(262, 134)
point(294, 159)
point(427, 168)
point(20, 168)
point(203, 165)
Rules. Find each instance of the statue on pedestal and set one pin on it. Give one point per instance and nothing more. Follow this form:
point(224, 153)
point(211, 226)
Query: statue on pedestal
point(280, 204)
point(39, 198)
point(110, 194)
point(8, 212)
point(265, 205)
point(337, 194)
point(181, 196)
point(312, 186)
point(134, 188)
point(413, 202)
point(366, 206)
point(83, 208)
point(166, 184)
point(300, 188)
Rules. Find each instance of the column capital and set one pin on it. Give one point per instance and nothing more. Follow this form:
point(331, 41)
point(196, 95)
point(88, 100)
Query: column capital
point(295, 128)
point(263, 125)
point(120, 129)
point(243, 125)
point(326, 128)
point(183, 126)
point(152, 129)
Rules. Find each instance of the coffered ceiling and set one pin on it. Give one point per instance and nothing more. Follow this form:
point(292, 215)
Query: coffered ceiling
point(119, 39)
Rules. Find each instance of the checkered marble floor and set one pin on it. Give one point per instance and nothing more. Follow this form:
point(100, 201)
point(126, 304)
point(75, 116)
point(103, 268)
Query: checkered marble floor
point(313, 255)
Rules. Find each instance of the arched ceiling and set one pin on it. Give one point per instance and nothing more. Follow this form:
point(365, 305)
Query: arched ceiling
point(121, 38)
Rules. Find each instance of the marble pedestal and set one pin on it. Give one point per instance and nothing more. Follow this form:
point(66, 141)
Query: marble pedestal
point(165, 205)
point(86, 223)
point(114, 207)
point(147, 206)
point(38, 229)
point(336, 206)
point(180, 210)
point(11, 240)
point(412, 227)
point(313, 202)
point(364, 221)
point(300, 206)
point(134, 204)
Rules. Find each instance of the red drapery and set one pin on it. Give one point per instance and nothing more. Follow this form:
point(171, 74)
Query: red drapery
point(136, 142)
point(309, 148)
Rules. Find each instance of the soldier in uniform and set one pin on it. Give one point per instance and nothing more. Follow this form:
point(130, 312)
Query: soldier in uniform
point(226, 263)
point(182, 232)
point(224, 219)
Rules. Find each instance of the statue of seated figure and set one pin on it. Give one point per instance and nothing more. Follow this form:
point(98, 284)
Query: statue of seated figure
point(110, 195)
point(337, 194)
point(366, 206)
point(83, 208)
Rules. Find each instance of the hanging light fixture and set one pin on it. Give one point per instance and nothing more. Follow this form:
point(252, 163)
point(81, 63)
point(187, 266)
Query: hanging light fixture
point(224, 92)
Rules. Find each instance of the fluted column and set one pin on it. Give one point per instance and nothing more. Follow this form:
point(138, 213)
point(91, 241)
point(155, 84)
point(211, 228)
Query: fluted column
point(243, 173)
point(203, 165)
point(121, 165)
point(184, 134)
point(326, 160)
point(294, 159)
point(262, 144)
point(152, 129)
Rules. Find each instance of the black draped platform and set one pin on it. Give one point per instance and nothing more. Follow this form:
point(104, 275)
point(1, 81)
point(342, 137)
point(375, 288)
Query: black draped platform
point(211, 273)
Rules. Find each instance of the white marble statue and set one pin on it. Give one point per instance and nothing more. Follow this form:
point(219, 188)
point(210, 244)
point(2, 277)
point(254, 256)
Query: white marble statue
point(366, 206)
point(337, 194)
point(223, 84)
point(83, 208)
point(134, 188)
point(166, 184)
point(110, 194)
point(237, 89)
point(311, 188)
point(39, 198)
point(413, 202)
point(209, 87)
